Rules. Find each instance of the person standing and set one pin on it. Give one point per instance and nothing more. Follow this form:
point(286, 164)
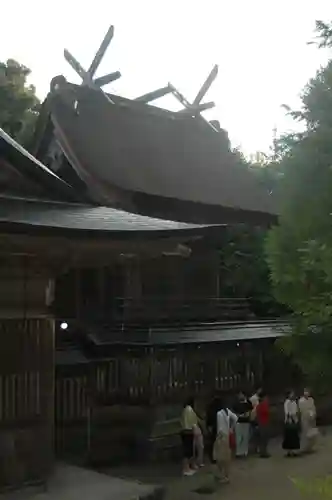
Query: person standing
point(211, 425)
point(226, 420)
point(291, 441)
point(263, 420)
point(198, 445)
point(189, 423)
point(307, 409)
point(242, 409)
point(254, 434)
point(254, 400)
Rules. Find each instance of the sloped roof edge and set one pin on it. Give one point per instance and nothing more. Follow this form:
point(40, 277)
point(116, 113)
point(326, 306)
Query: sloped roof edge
point(32, 169)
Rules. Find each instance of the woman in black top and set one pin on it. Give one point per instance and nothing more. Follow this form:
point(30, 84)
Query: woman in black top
point(242, 409)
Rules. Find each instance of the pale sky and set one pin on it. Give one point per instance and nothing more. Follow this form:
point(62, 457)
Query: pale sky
point(260, 46)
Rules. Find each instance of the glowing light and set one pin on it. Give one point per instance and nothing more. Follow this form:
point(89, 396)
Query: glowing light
point(64, 326)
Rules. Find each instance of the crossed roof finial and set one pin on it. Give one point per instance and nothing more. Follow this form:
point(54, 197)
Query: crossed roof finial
point(197, 106)
point(193, 109)
point(88, 76)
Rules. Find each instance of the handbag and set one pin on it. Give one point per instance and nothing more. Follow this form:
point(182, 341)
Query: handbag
point(232, 442)
point(292, 424)
point(312, 433)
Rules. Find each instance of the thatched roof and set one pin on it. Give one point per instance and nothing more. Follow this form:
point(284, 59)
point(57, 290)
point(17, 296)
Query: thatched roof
point(142, 158)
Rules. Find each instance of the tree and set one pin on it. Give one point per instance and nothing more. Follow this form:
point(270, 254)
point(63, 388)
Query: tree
point(244, 271)
point(19, 105)
point(299, 249)
point(268, 172)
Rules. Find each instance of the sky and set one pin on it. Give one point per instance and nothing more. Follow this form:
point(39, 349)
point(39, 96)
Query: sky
point(260, 46)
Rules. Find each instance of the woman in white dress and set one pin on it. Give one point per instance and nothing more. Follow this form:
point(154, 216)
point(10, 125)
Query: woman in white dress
point(308, 421)
point(222, 454)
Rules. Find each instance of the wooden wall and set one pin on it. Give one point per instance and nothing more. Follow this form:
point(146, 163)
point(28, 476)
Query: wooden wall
point(26, 401)
point(152, 282)
point(23, 283)
point(26, 374)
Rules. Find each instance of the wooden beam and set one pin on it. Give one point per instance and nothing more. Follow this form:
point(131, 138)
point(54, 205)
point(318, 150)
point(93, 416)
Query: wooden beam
point(155, 94)
point(101, 51)
point(198, 109)
point(206, 85)
point(73, 62)
point(87, 76)
point(190, 108)
point(53, 251)
point(187, 106)
point(106, 79)
point(86, 80)
point(180, 97)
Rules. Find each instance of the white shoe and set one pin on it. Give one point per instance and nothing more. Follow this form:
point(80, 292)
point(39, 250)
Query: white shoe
point(189, 472)
point(224, 480)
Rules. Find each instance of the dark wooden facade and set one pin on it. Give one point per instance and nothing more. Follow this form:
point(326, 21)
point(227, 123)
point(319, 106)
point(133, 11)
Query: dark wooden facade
point(40, 240)
point(167, 288)
point(26, 372)
point(26, 411)
point(145, 333)
point(147, 319)
point(150, 290)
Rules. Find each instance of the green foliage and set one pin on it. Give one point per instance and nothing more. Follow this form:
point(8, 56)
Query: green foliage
point(242, 261)
point(18, 102)
point(269, 174)
point(299, 250)
point(263, 166)
point(244, 270)
point(324, 35)
point(317, 487)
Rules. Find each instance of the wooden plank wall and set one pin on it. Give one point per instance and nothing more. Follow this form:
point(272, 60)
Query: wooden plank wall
point(26, 400)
